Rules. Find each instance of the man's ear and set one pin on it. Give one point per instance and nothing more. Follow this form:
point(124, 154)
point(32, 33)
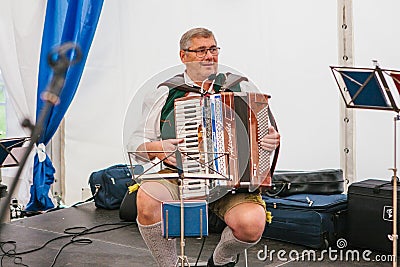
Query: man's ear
point(182, 55)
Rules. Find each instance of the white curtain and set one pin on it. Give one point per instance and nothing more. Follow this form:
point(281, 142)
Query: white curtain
point(21, 24)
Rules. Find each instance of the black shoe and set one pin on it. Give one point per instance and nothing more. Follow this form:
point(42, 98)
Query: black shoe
point(210, 263)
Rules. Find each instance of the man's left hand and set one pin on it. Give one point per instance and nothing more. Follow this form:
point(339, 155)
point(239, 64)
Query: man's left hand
point(272, 140)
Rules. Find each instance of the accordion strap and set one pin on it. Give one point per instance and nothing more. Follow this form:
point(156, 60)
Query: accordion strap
point(178, 82)
point(231, 80)
point(276, 154)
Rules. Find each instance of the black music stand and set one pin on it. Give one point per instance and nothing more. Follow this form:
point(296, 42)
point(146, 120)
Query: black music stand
point(368, 88)
point(10, 154)
point(9, 157)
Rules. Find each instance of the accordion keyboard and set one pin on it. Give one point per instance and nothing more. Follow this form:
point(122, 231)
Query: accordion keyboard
point(188, 124)
point(262, 130)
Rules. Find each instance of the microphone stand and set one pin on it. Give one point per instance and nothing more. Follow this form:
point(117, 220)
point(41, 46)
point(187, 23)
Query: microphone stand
point(182, 258)
point(59, 61)
point(394, 236)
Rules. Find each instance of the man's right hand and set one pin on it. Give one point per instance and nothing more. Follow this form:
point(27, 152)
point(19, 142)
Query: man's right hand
point(168, 147)
point(164, 150)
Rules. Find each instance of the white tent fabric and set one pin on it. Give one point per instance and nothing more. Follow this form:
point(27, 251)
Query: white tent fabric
point(21, 26)
point(376, 38)
point(269, 41)
point(284, 47)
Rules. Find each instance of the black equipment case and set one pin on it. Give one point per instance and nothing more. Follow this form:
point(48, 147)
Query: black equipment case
point(370, 214)
point(3, 190)
point(315, 221)
point(321, 182)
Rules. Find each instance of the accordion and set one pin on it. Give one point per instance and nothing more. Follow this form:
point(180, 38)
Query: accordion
point(222, 134)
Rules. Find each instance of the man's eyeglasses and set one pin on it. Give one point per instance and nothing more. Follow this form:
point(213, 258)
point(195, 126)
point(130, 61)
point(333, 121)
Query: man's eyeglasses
point(202, 52)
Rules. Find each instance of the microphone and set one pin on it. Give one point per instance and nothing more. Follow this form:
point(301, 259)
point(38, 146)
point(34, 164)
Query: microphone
point(59, 59)
point(211, 77)
point(223, 80)
point(221, 83)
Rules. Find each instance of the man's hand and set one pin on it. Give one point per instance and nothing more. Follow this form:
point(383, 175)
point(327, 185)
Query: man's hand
point(168, 147)
point(164, 150)
point(272, 140)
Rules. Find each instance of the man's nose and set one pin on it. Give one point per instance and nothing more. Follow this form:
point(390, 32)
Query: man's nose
point(208, 54)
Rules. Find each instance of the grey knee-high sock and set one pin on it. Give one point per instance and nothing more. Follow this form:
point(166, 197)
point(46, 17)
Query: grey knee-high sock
point(163, 250)
point(228, 247)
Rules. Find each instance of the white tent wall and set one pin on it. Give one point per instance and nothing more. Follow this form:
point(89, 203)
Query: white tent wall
point(21, 25)
point(376, 38)
point(285, 47)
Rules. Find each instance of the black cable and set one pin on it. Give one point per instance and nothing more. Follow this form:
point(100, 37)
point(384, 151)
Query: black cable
point(201, 250)
point(88, 231)
point(39, 248)
point(10, 253)
point(84, 241)
point(69, 232)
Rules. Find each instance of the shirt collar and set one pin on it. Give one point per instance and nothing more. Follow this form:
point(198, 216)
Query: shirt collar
point(189, 81)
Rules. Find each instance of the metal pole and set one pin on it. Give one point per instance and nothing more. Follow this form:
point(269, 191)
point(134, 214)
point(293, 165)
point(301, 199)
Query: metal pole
point(394, 235)
point(182, 244)
point(347, 117)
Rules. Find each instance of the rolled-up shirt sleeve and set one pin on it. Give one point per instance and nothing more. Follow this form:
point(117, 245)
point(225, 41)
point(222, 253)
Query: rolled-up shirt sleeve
point(148, 127)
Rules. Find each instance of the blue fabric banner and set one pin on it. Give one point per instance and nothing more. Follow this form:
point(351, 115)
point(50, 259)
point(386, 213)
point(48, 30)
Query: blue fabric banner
point(66, 21)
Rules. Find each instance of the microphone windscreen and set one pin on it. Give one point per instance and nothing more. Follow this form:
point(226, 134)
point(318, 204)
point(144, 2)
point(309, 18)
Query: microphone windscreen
point(212, 77)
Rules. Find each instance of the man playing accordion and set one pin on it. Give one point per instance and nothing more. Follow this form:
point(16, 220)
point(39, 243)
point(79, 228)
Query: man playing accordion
point(243, 212)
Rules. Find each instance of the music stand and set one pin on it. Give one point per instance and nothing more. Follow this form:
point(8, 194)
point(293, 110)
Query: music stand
point(180, 175)
point(10, 154)
point(368, 88)
point(9, 151)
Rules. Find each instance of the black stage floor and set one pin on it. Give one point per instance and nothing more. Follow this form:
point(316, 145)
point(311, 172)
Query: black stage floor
point(125, 247)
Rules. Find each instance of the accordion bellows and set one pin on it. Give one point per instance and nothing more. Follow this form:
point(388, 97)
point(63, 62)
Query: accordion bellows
point(222, 134)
